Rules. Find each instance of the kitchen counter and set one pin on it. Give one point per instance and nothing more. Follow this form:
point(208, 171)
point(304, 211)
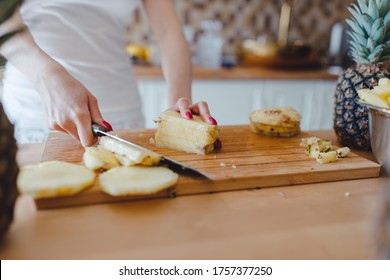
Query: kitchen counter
point(333, 220)
point(242, 73)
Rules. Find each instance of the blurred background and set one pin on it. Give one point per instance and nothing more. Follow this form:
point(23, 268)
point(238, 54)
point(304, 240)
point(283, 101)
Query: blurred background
point(311, 21)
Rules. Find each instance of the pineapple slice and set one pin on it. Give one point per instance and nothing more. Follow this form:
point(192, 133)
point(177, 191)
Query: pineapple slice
point(136, 180)
point(379, 95)
point(383, 81)
point(368, 96)
point(327, 157)
point(192, 136)
point(54, 178)
point(96, 158)
point(134, 154)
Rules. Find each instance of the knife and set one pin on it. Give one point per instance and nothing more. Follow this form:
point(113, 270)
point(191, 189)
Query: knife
point(172, 164)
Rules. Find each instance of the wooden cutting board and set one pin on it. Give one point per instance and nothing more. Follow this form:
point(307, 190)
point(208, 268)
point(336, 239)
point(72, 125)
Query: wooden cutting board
point(246, 161)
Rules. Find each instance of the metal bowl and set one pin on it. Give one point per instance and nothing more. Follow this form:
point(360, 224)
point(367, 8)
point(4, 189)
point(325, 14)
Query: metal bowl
point(379, 125)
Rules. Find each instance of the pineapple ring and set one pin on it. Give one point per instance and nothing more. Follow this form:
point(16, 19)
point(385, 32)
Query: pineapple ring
point(125, 180)
point(54, 178)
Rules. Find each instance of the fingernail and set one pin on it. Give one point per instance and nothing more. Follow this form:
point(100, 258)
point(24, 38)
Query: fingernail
point(212, 121)
point(108, 126)
point(217, 144)
point(189, 115)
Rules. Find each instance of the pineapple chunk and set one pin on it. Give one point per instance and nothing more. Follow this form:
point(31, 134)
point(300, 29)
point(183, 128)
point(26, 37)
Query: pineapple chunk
point(313, 150)
point(315, 145)
point(327, 157)
point(343, 152)
point(134, 154)
point(189, 135)
point(136, 180)
point(305, 142)
point(54, 178)
point(96, 158)
point(323, 150)
point(325, 146)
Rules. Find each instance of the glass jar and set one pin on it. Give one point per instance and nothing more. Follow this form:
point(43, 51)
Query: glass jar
point(209, 44)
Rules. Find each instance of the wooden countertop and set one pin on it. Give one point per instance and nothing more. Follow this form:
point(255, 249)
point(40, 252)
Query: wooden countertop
point(333, 220)
point(242, 73)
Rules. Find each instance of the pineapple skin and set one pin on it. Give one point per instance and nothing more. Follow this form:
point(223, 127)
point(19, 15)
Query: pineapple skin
point(350, 120)
point(8, 173)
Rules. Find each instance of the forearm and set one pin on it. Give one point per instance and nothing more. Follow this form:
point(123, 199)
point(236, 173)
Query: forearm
point(175, 55)
point(22, 51)
point(177, 68)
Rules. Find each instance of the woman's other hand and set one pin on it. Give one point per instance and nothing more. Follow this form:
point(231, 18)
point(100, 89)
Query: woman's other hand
point(186, 109)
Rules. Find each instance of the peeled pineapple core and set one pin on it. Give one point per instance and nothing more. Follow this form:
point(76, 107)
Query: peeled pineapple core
point(134, 154)
point(123, 180)
point(54, 178)
point(96, 158)
point(125, 161)
point(327, 157)
point(178, 133)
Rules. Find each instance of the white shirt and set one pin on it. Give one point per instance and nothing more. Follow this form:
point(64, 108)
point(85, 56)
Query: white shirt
point(87, 38)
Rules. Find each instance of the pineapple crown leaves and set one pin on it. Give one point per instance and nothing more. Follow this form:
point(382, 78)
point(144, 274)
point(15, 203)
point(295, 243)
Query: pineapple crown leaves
point(7, 8)
point(370, 31)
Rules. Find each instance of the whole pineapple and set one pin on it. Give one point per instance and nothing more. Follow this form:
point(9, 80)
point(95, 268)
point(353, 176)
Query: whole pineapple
point(370, 49)
point(8, 166)
point(8, 172)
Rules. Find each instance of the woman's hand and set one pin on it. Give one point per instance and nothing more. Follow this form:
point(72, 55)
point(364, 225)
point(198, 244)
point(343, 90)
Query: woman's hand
point(69, 106)
point(183, 105)
point(186, 109)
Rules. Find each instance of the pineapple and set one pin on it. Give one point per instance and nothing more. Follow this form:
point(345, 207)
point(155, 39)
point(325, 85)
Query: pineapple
point(54, 178)
point(124, 180)
point(8, 166)
point(191, 136)
point(96, 158)
point(370, 49)
point(8, 172)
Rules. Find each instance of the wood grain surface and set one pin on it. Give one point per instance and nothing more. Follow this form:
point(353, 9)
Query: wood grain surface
point(246, 161)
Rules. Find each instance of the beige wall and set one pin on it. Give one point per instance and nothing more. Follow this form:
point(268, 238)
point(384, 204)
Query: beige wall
point(311, 20)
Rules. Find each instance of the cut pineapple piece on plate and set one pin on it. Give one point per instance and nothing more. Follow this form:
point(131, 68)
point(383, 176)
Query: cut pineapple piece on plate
point(134, 154)
point(367, 96)
point(54, 178)
point(96, 158)
point(124, 180)
point(383, 81)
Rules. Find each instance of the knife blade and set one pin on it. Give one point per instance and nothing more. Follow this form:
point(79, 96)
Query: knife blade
point(170, 163)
